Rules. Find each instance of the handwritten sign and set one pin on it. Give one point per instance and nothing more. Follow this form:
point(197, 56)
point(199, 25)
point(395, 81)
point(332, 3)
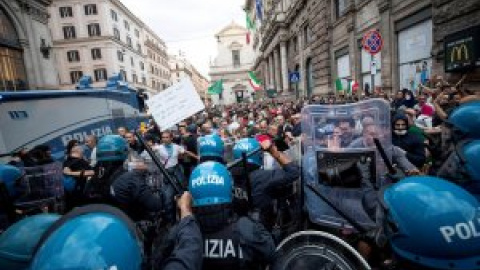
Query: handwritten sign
point(175, 104)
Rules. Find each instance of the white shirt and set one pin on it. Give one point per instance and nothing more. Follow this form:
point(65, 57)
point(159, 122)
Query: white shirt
point(169, 158)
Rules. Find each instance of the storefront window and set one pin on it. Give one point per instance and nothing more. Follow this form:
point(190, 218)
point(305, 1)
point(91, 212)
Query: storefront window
point(414, 55)
point(343, 69)
point(12, 69)
point(367, 69)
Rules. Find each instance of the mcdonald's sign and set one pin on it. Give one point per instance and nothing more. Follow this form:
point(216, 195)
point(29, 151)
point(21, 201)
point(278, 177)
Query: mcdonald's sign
point(462, 50)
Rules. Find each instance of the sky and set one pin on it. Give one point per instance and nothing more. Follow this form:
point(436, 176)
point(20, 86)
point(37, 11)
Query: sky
point(189, 25)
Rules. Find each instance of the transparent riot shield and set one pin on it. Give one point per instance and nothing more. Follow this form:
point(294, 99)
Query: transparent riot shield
point(317, 250)
point(341, 160)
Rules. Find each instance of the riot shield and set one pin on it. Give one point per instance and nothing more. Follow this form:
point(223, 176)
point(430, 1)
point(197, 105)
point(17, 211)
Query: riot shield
point(341, 161)
point(316, 250)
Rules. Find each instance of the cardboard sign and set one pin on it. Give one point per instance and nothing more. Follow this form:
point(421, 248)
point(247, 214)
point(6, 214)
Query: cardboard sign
point(175, 104)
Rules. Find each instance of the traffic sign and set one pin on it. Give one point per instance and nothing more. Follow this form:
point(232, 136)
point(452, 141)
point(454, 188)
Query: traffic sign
point(294, 77)
point(372, 42)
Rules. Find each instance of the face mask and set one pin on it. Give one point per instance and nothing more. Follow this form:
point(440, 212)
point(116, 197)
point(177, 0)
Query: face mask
point(400, 132)
point(408, 97)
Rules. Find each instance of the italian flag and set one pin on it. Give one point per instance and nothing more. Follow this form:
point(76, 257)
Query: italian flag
point(250, 26)
point(352, 87)
point(254, 81)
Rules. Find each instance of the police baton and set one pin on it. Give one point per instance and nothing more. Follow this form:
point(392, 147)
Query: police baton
point(239, 161)
point(247, 177)
point(156, 160)
point(384, 156)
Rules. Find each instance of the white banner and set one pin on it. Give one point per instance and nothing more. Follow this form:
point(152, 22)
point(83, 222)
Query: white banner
point(175, 104)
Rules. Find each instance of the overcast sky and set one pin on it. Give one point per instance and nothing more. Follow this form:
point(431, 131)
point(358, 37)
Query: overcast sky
point(189, 25)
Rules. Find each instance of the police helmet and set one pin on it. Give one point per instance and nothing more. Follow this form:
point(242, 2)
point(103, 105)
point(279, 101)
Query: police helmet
point(248, 145)
point(433, 223)
point(17, 243)
point(210, 184)
point(9, 175)
point(210, 146)
point(90, 237)
point(469, 154)
point(466, 120)
point(112, 148)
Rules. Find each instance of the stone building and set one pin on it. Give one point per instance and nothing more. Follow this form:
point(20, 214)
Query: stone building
point(102, 37)
point(180, 68)
point(233, 62)
point(26, 60)
point(323, 40)
point(293, 36)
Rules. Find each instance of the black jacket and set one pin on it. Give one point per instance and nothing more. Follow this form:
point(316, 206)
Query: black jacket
point(134, 196)
point(412, 144)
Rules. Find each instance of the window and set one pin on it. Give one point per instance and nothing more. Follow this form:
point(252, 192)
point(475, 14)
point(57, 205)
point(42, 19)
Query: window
point(339, 8)
point(75, 76)
point(124, 75)
point(295, 44)
point(114, 15)
point(120, 56)
point(142, 66)
point(129, 42)
point(139, 48)
point(153, 84)
point(116, 33)
point(100, 74)
point(91, 9)
point(307, 35)
point(137, 33)
point(343, 69)
point(144, 80)
point(131, 61)
point(69, 32)
point(96, 53)
point(66, 12)
point(151, 69)
point(135, 78)
point(94, 30)
point(73, 56)
point(127, 25)
point(236, 58)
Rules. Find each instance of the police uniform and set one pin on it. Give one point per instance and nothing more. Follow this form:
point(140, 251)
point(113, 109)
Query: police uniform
point(186, 240)
point(131, 192)
point(266, 187)
point(244, 244)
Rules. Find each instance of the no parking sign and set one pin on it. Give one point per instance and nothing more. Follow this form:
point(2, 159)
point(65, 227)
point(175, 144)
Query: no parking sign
point(372, 42)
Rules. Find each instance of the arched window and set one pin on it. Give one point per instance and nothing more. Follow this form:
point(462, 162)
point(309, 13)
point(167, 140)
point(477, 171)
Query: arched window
point(12, 68)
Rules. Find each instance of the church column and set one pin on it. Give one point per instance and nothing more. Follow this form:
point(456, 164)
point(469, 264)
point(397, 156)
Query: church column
point(283, 55)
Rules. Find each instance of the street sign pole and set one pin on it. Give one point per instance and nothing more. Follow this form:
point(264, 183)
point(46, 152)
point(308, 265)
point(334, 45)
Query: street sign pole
point(372, 75)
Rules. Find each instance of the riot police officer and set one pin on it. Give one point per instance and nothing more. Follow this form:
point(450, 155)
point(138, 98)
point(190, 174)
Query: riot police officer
point(211, 148)
point(266, 185)
point(230, 242)
point(95, 237)
point(125, 189)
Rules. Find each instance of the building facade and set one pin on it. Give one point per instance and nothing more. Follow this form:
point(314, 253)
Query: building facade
point(234, 60)
point(181, 68)
point(292, 36)
point(323, 40)
point(26, 61)
point(102, 38)
point(157, 61)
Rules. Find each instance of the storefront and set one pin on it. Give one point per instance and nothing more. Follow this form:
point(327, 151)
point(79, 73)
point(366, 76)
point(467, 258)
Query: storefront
point(414, 43)
point(462, 50)
point(342, 60)
point(12, 68)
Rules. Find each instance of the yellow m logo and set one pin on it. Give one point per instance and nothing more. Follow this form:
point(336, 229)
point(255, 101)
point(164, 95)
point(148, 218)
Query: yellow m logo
point(458, 52)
